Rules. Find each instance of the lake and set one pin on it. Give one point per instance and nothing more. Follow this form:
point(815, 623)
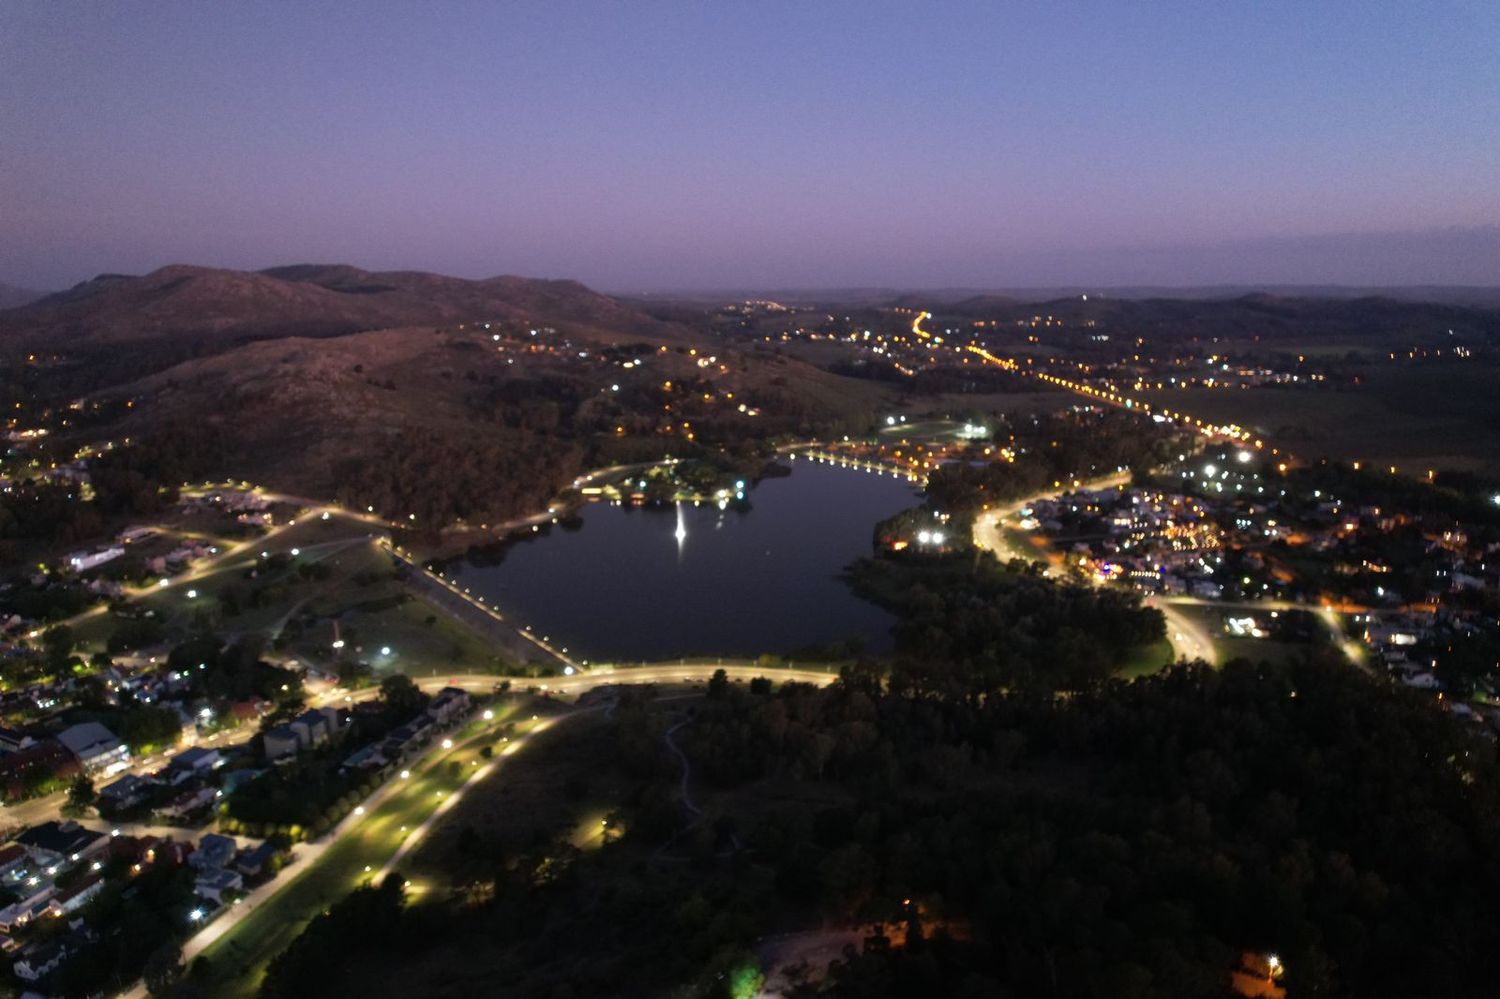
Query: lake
point(644, 584)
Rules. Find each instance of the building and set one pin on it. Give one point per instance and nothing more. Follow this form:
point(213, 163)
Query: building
point(450, 703)
point(214, 852)
point(194, 762)
point(84, 561)
point(53, 843)
point(216, 884)
point(39, 961)
point(125, 793)
point(76, 896)
point(257, 862)
point(13, 741)
point(96, 747)
point(311, 728)
point(281, 741)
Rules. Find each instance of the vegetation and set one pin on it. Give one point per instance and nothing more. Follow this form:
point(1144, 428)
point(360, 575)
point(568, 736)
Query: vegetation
point(1130, 840)
point(970, 629)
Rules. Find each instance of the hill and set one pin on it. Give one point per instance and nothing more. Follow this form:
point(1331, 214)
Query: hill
point(203, 303)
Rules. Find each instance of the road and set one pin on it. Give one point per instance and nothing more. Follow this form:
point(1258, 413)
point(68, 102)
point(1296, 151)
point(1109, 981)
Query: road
point(221, 931)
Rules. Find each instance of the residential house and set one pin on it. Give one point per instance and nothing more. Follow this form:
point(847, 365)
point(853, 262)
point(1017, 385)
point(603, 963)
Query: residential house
point(76, 896)
point(13, 741)
point(186, 805)
point(54, 843)
point(192, 763)
point(14, 862)
point(125, 793)
point(214, 852)
point(281, 741)
point(39, 961)
point(216, 884)
point(450, 703)
point(257, 862)
point(316, 726)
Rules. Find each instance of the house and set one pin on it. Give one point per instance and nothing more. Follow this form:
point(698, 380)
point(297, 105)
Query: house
point(76, 896)
point(257, 862)
point(450, 703)
point(281, 741)
point(41, 960)
point(184, 806)
point(125, 793)
point(34, 901)
point(214, 852)
point(214, 885)
point(53, 843)
point(13, 741)
point(95, 747)
point(14, 861)
point(195, 761)
point(315, 727)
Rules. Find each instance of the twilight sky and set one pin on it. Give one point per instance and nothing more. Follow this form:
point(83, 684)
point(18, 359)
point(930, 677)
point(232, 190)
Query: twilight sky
point(679, 145)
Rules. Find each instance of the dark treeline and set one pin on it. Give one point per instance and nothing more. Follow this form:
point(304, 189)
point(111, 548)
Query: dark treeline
point(968, 628)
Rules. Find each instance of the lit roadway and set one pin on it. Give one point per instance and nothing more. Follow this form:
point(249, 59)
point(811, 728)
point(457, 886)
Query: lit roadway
point(369, 815)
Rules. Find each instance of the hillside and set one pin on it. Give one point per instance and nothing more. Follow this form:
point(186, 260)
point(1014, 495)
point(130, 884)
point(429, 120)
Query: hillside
point(202, 303)
point(454, 424)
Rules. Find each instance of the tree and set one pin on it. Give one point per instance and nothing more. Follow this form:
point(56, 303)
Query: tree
point(400, 696)
point(163, 968)
point(81, 794)
point(58, 641)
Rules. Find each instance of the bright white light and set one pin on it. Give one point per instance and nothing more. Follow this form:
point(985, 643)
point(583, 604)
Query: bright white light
point(405, 774)
point(195, 915)
point(385, 650)
point(296, 552)
point(447, 743)
point(359, 809)
point(488, 714)
point(937, 537)
point(924, 537)
point(567, 671)
point(192, 594)
point(1210, 470)
point(339, 644)
point(1244, 457)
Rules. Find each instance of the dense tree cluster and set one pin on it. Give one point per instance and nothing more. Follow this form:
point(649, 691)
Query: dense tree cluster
point(485, 478)
point(969, 628)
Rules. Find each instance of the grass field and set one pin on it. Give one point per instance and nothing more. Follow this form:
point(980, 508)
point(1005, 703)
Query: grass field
point(1146, 660)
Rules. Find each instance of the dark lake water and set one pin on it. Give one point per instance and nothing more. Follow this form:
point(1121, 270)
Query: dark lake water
point(738, 583)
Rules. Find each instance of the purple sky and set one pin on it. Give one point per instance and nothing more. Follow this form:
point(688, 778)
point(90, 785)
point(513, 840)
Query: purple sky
point(652, 145)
